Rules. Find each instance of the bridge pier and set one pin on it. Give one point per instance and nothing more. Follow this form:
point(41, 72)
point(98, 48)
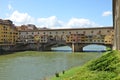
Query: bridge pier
point(76, 47)
point(43, 47)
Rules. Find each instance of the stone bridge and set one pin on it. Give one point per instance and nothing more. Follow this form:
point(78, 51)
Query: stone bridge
point(44, 40)
point(77, 38)
point(76, 47)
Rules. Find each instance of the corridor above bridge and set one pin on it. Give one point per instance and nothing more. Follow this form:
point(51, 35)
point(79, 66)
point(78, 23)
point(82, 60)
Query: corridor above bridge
point(79, 36)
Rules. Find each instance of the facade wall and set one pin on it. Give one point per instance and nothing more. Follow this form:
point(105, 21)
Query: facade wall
point(26, 37)
point(8, 33)
point(92, 35)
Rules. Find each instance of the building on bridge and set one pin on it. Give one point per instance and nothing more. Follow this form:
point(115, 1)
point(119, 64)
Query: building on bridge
point(80, 35)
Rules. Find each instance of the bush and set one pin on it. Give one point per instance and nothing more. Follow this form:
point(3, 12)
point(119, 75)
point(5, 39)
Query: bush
point(106, 63)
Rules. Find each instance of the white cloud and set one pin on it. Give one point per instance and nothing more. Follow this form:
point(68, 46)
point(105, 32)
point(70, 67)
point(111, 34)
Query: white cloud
point(107, 13)
point(21, 18)
point(10, 7)
point(50, 22)
point(53, 22)
point(81, 23)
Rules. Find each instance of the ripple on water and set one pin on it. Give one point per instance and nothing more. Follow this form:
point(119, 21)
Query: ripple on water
point(31, 65)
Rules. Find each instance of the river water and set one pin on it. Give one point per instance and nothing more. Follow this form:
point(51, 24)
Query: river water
point(32, 65)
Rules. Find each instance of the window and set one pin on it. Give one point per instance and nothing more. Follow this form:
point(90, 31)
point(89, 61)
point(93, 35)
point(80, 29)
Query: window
point(84, 32)
point(98, 40)
point(108, 31)
point(99, 31)
point(102, 40)
point(92, 31)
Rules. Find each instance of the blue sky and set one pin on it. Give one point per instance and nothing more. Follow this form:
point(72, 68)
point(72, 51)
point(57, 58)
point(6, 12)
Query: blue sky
point(58, 13)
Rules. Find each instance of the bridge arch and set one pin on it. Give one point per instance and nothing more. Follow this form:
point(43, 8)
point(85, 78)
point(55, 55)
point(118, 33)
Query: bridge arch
point(94, 47)
point(62, 48)
point(76, 47)
point(79, 47)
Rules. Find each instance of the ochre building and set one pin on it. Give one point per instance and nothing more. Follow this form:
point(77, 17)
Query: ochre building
point(8, 33)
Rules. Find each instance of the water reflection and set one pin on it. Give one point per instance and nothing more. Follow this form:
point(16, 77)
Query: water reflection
point(94, 48)
point(89, 48)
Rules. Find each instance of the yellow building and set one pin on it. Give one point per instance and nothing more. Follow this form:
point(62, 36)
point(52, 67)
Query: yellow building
point(76, 38)
point(8, 33)
point(68, 39)
point(82, 38)
point(36, 37)
point(108, 39)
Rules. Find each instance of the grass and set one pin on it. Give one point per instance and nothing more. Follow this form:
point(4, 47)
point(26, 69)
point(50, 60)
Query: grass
point(107, 67)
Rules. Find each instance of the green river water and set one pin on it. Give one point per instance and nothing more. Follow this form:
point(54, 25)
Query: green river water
point(32, 65)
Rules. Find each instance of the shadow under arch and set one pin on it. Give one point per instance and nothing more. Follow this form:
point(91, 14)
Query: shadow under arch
point(76, 47)
point(64, 48)
point(57, 46)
